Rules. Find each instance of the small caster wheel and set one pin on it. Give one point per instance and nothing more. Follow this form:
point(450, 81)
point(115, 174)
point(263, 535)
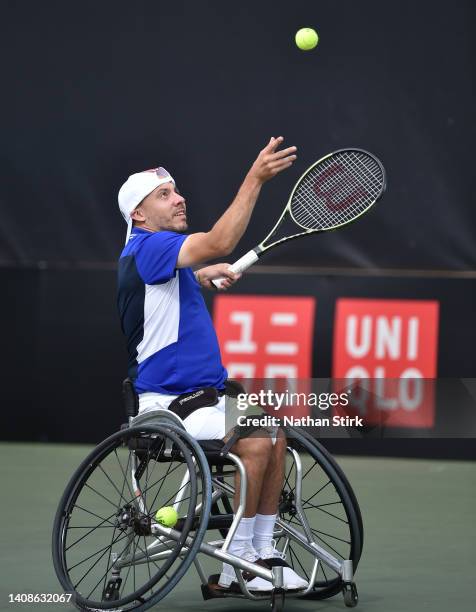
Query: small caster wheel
point(277, 600)
point(111, 592)
point(351, 597)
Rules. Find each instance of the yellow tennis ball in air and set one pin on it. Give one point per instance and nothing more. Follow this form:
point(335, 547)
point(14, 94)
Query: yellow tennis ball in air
point(166, 516)
point(306, 39)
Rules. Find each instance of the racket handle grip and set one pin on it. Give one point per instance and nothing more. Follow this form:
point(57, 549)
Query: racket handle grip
point(239, 266)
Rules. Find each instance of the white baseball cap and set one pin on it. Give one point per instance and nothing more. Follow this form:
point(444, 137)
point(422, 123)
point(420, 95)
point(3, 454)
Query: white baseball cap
point(136, 188)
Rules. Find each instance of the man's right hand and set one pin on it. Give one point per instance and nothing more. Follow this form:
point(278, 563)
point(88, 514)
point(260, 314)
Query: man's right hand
point(205, 276)
point(270, 161)
point(225, 234)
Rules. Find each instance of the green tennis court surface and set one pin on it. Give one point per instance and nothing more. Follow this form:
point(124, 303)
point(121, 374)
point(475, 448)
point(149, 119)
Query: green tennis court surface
point(418, 517)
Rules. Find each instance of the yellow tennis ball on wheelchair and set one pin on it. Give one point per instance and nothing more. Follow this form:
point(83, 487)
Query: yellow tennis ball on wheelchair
point(166, 516)
point(306, 39)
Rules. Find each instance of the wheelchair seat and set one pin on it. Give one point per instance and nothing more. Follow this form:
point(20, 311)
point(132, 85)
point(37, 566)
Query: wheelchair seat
point(211, 448)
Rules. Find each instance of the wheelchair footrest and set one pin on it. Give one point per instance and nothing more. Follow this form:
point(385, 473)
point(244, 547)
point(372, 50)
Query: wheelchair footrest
point(213, 590)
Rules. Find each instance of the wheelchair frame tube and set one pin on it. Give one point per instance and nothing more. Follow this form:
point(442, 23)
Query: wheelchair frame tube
point(241, 507)
point(298, 501)
point(217, 553)
point(312, 547)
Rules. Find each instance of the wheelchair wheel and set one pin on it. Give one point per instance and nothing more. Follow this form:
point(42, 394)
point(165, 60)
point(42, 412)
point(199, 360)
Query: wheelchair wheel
point(104, 551)
point(330, 507)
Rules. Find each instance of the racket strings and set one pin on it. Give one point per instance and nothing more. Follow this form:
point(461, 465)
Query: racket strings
point(337, 190)
point(333, 195)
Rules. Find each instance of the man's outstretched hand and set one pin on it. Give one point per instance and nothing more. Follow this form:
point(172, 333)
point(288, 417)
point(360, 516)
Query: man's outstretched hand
point(270, 161)
point(205, 276)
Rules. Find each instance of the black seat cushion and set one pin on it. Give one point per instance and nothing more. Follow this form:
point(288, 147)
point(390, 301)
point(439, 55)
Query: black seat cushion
point(211, 448)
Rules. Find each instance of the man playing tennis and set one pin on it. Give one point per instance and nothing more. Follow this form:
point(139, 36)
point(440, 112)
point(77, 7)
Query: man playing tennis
point(173, 348)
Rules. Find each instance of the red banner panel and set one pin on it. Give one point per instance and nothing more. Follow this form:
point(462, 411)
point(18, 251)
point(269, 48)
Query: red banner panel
point(393, 343)
point(265, 336)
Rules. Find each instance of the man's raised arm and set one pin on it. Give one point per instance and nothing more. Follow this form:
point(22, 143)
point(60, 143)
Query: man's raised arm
point(230, 227)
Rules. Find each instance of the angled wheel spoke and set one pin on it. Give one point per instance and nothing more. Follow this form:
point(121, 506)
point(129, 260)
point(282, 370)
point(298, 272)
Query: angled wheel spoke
point(329, 546)
point(134, 565)
point(110, 479)
point(321, 565)
point(309, 470)
point(103, 520)
point(168, 473)
point(328, 504)
point(338, 518)
point(87, 486)
point(101, 550)
point(148, 558)
point(124, 474)
point(146, 553)
point(299, 563)
point(306, 501)
point(95, 563)
point(86, 535)
point(316, 531)
point(123, 585)
point(174, 495)
point(288, 476)
point(92, 527)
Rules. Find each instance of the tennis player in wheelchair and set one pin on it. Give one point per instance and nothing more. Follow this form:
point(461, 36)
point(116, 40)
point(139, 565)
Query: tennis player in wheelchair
point(294, 528)
point(173, 347)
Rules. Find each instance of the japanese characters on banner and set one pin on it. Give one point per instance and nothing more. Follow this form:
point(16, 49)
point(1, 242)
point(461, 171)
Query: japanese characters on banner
point(385, 350)
point(265, 336)
point(394, 344)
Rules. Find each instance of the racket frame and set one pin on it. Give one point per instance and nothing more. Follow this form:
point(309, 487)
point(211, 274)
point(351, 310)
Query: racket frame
point(254, 254)
point(260, 248)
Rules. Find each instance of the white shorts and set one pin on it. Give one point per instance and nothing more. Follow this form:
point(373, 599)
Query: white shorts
point(206, 423)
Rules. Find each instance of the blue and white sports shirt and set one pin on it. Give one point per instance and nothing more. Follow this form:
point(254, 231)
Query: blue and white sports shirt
point(171, 341)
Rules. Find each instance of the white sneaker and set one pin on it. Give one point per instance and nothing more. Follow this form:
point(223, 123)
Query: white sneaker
point(272, 557)
point(254, 583)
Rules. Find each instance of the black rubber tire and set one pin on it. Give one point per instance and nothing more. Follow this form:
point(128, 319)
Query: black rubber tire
point(304, 443)
point(139, 599)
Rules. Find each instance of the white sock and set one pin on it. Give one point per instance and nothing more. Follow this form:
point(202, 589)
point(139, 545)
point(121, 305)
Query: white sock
point(243, 537)
point(263, 530)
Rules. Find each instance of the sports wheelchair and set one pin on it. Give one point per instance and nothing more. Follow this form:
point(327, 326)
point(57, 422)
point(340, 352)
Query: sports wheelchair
point(111, 553)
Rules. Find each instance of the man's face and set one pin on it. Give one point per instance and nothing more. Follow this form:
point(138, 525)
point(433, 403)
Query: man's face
point(163, 209)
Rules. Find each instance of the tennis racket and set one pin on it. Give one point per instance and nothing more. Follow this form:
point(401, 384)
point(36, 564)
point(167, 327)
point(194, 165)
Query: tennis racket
point(333, 192)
